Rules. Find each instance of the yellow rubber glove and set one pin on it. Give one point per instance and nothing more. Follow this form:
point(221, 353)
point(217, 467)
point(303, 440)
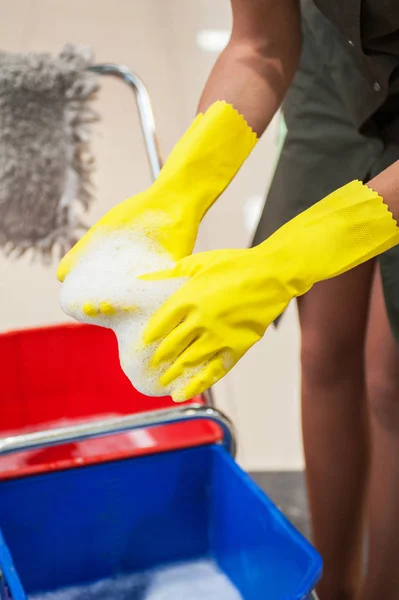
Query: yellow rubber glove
point(232, 296)
point(197, 171)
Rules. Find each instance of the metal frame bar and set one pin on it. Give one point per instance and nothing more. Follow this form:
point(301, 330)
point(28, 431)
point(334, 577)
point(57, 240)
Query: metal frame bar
point(114, 425)
point(146, 111)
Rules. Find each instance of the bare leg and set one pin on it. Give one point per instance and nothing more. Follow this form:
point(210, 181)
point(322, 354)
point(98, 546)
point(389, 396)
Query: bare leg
point(333, 317)
point(382, 364)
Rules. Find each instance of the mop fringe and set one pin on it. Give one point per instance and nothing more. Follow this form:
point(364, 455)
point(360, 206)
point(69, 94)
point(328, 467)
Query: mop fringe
point(46, 162)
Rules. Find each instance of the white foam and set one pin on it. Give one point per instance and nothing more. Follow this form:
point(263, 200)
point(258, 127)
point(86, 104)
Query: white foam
point(191, 581)
point(108, 272)
point(195, 580)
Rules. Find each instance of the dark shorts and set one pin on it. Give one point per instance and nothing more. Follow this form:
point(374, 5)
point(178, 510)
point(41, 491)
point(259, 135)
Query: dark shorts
point(323, 149)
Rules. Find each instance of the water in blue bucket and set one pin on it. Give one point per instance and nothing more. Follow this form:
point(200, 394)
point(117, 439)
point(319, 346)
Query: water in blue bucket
point(194, 580)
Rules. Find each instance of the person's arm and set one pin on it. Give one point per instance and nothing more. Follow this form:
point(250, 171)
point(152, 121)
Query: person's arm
point(386, 184)
point(251, 78)
point(256, 68)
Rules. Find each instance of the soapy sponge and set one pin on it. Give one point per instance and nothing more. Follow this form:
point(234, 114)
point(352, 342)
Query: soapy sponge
point(104, 289)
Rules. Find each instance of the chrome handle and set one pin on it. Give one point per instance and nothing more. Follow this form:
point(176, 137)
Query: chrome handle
point(146, 112)
point(114, 425)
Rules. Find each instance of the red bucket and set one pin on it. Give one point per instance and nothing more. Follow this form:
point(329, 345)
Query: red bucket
point(68, 374)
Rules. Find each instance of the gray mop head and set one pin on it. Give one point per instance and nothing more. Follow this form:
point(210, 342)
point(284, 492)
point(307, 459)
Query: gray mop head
point(45, 158)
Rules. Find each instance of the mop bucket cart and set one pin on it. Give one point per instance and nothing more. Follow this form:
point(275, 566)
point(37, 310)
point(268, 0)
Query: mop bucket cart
point(89, 491)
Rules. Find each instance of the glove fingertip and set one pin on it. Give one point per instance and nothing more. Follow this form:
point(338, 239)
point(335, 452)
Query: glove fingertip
point(170, 375)
point(150, 335)
point(179, 396)
point(62, 271)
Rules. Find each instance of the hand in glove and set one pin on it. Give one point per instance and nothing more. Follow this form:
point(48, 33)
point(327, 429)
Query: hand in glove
point(232, 296)
point(197, 171)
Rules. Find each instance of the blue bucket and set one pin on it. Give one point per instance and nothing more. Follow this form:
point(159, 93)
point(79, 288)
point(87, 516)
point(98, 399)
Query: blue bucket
point(83, 525)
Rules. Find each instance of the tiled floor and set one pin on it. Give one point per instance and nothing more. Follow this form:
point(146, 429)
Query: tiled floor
point(287, 489)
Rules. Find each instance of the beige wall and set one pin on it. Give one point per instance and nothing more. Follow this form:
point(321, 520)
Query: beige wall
point(157, 39)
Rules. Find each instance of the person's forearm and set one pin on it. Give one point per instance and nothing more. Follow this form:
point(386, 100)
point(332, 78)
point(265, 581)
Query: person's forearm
point(257, 66)
point(386, 184)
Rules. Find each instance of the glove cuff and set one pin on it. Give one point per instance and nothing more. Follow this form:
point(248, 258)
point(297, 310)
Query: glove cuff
point(208, 156)
point(345, 229)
